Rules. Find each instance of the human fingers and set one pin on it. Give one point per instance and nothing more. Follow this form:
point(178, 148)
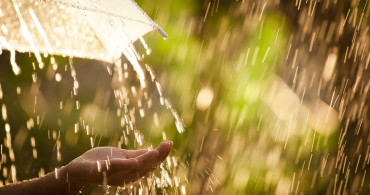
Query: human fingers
point(164, 149)
point(142, 160)
point(155, 156)
point(104, 153)
point(135, 153)
point(129, 170)
point(119, 171)
point(117, 164)
point(142, 164)
point(150, 160)
point(147, 158)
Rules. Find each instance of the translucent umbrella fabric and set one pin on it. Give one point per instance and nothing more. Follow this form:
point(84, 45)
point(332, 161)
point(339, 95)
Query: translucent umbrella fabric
point(94, 29)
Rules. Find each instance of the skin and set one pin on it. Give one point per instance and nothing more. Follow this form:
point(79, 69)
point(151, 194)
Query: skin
point(98, 166)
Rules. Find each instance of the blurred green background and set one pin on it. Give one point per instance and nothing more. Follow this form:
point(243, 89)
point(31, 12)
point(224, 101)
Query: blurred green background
point(245, 76)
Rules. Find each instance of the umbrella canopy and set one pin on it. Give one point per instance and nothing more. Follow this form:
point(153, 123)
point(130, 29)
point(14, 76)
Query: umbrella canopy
point(94, 29)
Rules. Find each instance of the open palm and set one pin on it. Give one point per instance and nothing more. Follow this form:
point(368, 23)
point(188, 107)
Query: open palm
point(114, 166)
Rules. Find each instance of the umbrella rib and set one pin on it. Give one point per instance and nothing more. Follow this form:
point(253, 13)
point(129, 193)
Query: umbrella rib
point(161, 31)
point(153, 25)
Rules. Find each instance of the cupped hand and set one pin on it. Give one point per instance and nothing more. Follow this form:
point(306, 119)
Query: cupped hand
point(114, 166)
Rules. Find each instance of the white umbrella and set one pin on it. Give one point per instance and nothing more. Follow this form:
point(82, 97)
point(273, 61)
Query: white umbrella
point(95, 29)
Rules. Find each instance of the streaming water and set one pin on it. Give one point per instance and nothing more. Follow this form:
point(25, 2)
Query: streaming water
point(39, 24)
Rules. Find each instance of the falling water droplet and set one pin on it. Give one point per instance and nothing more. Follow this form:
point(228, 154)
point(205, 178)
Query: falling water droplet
point(180, 126)
point(58, 77)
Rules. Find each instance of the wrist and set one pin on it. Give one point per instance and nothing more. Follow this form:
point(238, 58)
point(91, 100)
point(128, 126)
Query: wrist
point(68, 180)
